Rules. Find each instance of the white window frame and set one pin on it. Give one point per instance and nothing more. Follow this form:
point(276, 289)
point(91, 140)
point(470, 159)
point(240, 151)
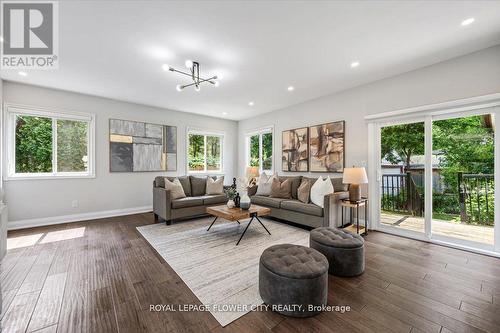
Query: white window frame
point(205, 133)
point(259, 132)
point(14, 110)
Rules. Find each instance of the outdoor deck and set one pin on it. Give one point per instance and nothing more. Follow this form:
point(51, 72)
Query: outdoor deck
point(481, 234)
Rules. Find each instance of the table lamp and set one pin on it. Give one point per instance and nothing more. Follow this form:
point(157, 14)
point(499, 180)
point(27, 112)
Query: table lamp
point(252, 173)
point(354, 176)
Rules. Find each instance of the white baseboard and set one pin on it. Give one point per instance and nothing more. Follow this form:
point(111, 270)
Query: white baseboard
point(30, 223)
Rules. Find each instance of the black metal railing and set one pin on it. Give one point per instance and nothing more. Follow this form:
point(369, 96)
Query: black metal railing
point(476, 198)
point(401, 194)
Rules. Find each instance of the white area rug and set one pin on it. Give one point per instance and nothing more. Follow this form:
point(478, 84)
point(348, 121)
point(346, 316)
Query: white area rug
point(212, 266)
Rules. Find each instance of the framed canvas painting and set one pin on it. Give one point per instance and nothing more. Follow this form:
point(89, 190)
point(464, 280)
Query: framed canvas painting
point(136, 146)
point(294, 150)
point(326, 147)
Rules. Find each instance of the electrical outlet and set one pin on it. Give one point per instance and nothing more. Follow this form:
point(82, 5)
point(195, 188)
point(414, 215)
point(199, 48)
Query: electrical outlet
point(74, 203)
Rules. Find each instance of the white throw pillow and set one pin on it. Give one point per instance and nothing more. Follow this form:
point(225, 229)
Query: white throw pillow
point(175, 188)
point(215, 186)
point(264, 185)
point(319, 189)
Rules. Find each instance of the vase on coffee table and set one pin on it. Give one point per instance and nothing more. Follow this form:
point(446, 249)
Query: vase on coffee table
point(245, 201)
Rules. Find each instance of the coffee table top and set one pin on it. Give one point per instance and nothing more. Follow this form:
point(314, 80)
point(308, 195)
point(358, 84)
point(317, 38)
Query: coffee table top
point(234, 214)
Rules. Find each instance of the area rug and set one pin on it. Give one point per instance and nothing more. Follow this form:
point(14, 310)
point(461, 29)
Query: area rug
point(222, 275)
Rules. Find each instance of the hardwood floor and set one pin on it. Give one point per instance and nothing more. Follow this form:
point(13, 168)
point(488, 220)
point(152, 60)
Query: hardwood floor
point(102, 276)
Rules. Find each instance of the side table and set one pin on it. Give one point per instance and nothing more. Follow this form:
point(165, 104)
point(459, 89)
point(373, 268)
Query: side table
point(354, 205)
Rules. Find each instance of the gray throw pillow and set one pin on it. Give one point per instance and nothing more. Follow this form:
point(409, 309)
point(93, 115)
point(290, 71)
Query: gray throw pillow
point(198, 186)
point(304, 191)
point(185, 182)
point(281, 189)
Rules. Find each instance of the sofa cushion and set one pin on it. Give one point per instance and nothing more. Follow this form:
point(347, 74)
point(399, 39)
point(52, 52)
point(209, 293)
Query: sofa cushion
point(198, 186)
point(300, 207)
point(266, 201)
point(160, 181)
point(319, 189)
point(295, 183)
point(338, 185)
point(185, 182)
point(281, 189)
point(214, 199)
point(187, 202)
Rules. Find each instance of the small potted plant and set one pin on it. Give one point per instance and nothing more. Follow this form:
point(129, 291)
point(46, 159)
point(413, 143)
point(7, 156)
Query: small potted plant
point(230, 194)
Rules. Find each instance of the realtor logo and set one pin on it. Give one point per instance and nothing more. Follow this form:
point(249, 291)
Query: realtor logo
point(30, 35)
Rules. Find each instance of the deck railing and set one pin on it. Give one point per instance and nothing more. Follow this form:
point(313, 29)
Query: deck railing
point(476, 198)
point(401, 194)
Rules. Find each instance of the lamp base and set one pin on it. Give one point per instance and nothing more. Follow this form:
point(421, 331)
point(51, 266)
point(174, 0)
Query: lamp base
point(354, 192)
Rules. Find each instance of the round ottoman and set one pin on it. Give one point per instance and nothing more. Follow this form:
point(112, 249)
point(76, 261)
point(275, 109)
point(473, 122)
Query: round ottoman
point(293, 280)
point(345, 251)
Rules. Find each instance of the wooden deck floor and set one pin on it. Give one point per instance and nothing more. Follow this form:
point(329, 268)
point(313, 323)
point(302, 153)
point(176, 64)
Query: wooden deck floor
point(101, 276)
point(476, 233)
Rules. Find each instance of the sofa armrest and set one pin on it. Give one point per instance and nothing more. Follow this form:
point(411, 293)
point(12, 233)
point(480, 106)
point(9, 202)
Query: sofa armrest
point(162, 203)
point(332, 209)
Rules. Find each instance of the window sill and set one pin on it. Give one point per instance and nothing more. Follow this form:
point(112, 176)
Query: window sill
point(205, 173)
point(48, 177)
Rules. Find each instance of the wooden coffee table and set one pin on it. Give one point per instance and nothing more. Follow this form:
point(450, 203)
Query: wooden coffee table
point(236, 214)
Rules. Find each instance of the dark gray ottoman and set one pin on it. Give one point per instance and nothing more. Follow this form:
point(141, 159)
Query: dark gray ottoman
point(292, 278)
point(345, 251)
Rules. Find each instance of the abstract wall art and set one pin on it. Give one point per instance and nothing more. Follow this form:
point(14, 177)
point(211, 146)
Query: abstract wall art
point(138, 146)
point(295, 153)
point(326, 147)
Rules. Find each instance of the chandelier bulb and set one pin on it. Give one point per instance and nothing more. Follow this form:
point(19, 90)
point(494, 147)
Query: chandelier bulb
point(189, 63)
point(178, 87)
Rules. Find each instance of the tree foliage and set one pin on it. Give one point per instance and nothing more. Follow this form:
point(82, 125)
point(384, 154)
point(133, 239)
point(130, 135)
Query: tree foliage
point(400, 142)
point(33, 144)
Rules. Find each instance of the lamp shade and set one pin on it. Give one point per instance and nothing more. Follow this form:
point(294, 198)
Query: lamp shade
point(355, 176)
point(252, 171)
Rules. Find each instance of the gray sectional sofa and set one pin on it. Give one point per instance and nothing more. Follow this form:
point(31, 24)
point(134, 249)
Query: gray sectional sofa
point(307, 214)
point(194, 204)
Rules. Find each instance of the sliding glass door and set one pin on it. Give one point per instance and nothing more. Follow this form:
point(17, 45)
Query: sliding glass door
point(463, 163)
point(435, 177)
point(402, 185)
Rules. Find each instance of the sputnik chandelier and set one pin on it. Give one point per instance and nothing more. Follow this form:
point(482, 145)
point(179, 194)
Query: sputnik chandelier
point(194, 74)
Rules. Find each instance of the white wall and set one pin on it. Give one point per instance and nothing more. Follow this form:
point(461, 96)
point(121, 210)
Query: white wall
point(30, 199)
point(475, 74)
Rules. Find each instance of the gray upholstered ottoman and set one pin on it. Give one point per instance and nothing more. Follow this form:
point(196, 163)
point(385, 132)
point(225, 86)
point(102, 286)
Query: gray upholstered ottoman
point(293, 280)
point(345, 251)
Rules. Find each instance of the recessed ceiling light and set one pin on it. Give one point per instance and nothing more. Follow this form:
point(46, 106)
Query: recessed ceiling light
point(354, 64)
point(224, 113)
point(23, 73)
point(251, 103)
point(291, 88)
point(468, 21)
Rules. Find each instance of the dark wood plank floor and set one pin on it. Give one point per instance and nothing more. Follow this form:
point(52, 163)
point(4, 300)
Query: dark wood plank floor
point(105, 279)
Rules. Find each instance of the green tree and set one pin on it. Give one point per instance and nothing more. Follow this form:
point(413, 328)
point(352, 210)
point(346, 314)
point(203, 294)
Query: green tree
point(401, 142)
point(71, 146)
point(33, 144)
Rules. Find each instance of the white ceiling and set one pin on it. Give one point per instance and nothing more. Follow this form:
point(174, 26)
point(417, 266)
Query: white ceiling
point(116, 49)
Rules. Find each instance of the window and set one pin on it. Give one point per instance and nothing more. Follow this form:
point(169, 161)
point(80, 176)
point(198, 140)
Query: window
point(48, 144)
point(260, 149)
point(204, 152)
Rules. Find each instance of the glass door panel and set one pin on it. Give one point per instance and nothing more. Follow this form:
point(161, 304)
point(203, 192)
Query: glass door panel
point(463, 178)
point(402, 183)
